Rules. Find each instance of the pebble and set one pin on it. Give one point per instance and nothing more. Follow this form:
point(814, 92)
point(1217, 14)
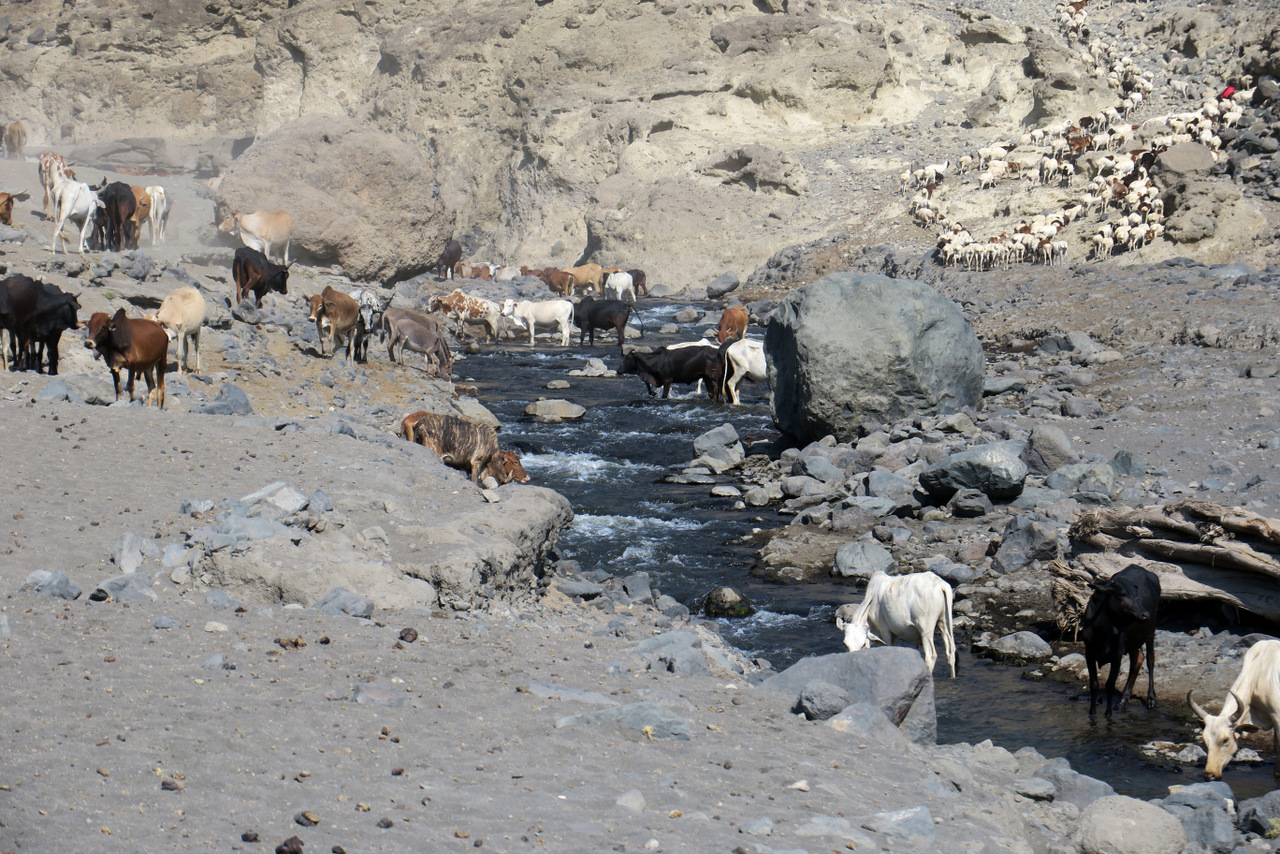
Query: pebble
point(214, 626)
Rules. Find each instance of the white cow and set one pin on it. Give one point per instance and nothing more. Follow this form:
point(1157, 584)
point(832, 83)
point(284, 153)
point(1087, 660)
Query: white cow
point(743, 359)
point(557, 312)
point(906, 607)
point(75, 201)
point(1252, 704)
point(267, 231)
point(182, 315)
point(619, 284)
point(158, 219)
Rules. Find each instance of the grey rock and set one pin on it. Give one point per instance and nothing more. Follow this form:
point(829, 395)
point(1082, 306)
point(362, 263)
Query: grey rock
point(893, 487)
point(1186, 158)
point(276, 500)
point(239, 527)
point(194, 506)
point(632, 800)
point(1083, 477)
point(231, 400)
point(1019, 646)
point(175, 554)
point(127, 552)
point(1260, 815)
point(673, 652)
point(970, 504)
point(1128, 464)
point(825, 825)
point(1048, 448)
point(757, 827)
point(994, 469)
point(653, 720)
point(687, 315)
point(638, 586)
point(555, 411)
point(722, 443)
point(1072, 786)
point(725, 283)
point(220, 599)
point(950, 571)
point(578, 588)
point(1025, 540)
point(5, 631)
point(862, 559)
point(894, 679)
point(132, 587)
point(819, 468)
point(55, 584)
point(218, 661)
point(912, 827)
point(820, 700)
point(727, 602)
point(850, 348)
point(165, 623)
point(57, 390)
point(1120, 825)
point(1035, 788)
point(548, 691)
point(319, 502)
point(341, 601)
point(864, 721)
point(373, 694)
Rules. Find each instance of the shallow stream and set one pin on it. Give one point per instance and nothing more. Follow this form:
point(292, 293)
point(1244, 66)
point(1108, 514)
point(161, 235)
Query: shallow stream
point(611, 464)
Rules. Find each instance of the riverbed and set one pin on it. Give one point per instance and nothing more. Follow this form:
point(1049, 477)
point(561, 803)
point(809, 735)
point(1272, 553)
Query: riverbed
point(612, 465)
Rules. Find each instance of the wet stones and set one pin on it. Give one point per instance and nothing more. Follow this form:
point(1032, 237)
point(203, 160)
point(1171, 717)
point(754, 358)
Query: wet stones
point(727, 602)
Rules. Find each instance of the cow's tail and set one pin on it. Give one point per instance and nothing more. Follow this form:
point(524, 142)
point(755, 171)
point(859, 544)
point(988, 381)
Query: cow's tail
point(948, 637)
point(725, 362)
point(636, 311)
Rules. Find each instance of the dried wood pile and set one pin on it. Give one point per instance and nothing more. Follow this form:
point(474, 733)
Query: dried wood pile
point(1200, 551)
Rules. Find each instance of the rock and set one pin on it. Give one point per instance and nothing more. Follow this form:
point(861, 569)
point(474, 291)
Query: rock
point(894, 488)
point(127, 553)
point(673, 652)
point(970, 504)
point(231, 400)
point(1098, 478)
point(373, 694)
point(723, 285)
point(55, 584)
point(820, 700)
point(721, 443)
point(649, 720)
point(865, 721)
point(1260, 815)
point(819, 468)
point(578, 588)
point(1186, 158)
point(554, 411)
point(631, 800)
point(687, 315)
point(862, 559)
point(1048, 448)
point(1120, 825)
point(727, 602)
point(133, 587)
point(994, 469)
point(473, 410)
point(1021, 647)
point(220, 599)
point(851, 348)
point(894, 679)
point(1203, 810)
point(341, 601)
point(1072, 786)
point(329, 169)
point(911, 828)
point(274, 501)
point(1025, 540)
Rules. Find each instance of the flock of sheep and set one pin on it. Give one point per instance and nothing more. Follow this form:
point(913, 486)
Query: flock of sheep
point(1100, 147)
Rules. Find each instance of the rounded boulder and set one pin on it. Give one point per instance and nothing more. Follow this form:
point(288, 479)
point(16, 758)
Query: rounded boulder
point(1120, 825)
point(851, 348)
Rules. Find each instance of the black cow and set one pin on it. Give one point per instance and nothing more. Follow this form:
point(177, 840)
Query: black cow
point(679, 365)
point(1120, 618)
point(120, 206)
point(591, 314)
point(36, 315)
point(451, 255)
point(253, 273)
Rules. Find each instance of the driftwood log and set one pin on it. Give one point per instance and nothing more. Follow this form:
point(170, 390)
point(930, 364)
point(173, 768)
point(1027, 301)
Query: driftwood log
point(1200, 551)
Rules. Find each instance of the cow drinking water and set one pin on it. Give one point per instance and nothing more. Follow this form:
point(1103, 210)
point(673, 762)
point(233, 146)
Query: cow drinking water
point(465, 445)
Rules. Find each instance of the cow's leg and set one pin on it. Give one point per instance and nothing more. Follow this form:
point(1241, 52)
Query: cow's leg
point(1135, 666)
point(115, 378)
point(930, 652)
point(1113, 673)
point(1151, 672)
point(666, 390)
point(160, 383)
point(1092, 664)
point(132, 374)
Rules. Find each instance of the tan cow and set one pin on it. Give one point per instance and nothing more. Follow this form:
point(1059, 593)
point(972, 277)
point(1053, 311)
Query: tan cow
point(182, 316)
point(53, 168)
point(267, 231)
point(14, 139)
point(339, 315)
point(587, 276)
point(141, 213)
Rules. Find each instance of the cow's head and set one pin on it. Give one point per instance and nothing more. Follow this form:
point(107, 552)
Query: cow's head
point(315, 304)
point(1221, 734)
point(98, 328)
point(510, 468)
point(508, 307)
point(231, 224)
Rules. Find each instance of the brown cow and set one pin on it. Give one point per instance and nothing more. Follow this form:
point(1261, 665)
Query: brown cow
point(640, 280)
point(733, 324)
point(464, 445)
point(560, 282)
point(337, 312)
point(15, 139)
point(139, 345)
point(6, 205)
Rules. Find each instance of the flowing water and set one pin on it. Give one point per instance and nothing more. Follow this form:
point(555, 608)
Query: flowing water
point(611, 467)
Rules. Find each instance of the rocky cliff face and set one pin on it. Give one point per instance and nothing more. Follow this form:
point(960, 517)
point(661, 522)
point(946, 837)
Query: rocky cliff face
point(687, 138)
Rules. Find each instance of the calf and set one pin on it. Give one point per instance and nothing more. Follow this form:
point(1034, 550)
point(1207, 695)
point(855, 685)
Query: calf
point(139, 345)
point(181, 315)
point(36, 314)
point(733, 324)
point(253, 273)
point(1121, 618)
point(591, 314)
point(266, 231)
point(6, 205)
point(1252, 704)
point(338, 313)
point(686, 365)
point(419, 334)
point(464, 445)
point(905, 607)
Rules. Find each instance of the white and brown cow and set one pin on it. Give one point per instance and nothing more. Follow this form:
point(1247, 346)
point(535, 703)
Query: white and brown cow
point(464, 308)
point(267, 231)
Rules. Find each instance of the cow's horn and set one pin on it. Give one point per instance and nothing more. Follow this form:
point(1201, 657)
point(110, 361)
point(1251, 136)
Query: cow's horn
point(1240, 708)
point(1195, 707)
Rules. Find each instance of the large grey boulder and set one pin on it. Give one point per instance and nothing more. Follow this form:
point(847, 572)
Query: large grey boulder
point(862, 559)
point(1072, 786)
point(359, 198)
point(995, 469)
point(850, 348)
point(1048, 448)
point(892, 678)
point(1120, 825)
